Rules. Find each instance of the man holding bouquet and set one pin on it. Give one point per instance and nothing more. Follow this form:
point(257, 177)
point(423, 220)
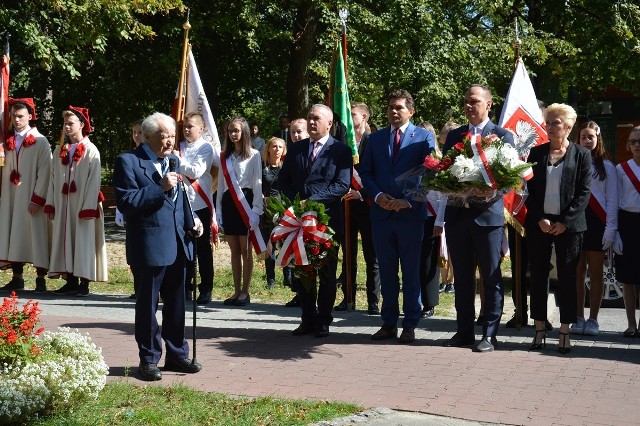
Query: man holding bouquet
point(474, 236)
point(397, 221)
point(318, 168)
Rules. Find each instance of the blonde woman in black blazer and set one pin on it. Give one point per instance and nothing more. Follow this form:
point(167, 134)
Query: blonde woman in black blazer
point(558, 196)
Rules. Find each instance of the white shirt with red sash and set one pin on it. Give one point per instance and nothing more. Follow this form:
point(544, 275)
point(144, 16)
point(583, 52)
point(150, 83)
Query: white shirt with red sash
point(629, 193)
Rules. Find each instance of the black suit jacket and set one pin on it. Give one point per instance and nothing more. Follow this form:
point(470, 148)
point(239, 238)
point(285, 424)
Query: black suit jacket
point(574, 187)
point(326, 181)
point(486, 214)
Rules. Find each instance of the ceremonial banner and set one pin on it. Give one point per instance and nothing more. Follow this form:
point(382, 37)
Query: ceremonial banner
point(4, 100)
point(522, 115)
point(341, 104)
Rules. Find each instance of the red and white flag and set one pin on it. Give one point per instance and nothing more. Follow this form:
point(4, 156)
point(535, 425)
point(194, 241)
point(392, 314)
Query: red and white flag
point(4, 100)
point(196, 101)
point(522, 115)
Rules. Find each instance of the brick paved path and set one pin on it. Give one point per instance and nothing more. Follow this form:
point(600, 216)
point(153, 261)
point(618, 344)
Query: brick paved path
point(251, 352)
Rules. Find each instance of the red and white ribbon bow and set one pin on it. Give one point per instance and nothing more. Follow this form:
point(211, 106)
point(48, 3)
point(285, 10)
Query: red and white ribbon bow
point(294, 231)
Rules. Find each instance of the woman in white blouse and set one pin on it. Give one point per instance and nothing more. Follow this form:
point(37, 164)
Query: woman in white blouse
point(602, 222)
point(239, 208)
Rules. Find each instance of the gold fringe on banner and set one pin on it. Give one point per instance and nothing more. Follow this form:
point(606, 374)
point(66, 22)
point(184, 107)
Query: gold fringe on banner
point(510, 220)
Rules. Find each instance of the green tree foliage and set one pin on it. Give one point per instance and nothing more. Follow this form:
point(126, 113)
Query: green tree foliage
point(264, 58)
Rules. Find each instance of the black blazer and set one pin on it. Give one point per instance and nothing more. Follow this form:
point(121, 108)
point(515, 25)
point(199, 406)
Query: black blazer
point(574, 187)
point(326, 181)
point(484, 214)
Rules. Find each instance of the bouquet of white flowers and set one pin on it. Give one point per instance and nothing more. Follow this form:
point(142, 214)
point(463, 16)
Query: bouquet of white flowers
point(477, 169)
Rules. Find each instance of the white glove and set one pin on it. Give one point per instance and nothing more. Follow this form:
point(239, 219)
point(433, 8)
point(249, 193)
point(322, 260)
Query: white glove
point(197, 227)
point(254, 221)
point(607, 238)
point(119, 218)
point(219, 219)
point(617, 244)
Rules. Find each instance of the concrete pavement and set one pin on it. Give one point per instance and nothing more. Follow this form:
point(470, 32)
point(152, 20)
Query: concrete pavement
point(250, 351)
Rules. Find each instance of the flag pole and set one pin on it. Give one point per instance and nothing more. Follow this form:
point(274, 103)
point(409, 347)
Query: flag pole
point(518, 237)
point(183, 75)
point(344, 13)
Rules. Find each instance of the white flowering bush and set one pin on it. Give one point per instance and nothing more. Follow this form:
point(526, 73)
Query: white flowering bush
point(68, 369)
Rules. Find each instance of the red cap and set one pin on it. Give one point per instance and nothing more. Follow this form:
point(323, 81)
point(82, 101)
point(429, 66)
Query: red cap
point(27, 103)
point(83, 115)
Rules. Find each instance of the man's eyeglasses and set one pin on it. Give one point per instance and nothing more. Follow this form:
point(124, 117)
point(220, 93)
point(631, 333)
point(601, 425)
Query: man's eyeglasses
point(634, 141)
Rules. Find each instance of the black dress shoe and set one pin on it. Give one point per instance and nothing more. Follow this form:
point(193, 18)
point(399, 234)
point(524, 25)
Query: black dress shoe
point(182, 366)
point(408, 335)
point(459, 341)
point(427, 312)
point(242, 302)
point(323, 331)
point(204, 298)
point(341, 307)
point(293, 302)
point(230, 301)
point(149, 372)
point(373, 309)
point(303, 329)
point(485, 345)
point(386, 332)
point(14, 284)
point(512, 322)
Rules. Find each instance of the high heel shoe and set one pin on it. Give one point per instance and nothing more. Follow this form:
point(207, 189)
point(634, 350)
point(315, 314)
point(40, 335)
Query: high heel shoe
point(561, 343)
point(535, 345)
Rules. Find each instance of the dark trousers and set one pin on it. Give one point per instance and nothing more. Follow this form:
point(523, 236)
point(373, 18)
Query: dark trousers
point(360, 222)
point(524, 266)
point(168, 282)
point(398, 244)
point(429, 270)
point(468, 242)
point(568, 246)
point(321, 294)
point(18, 268)
point(204, 251)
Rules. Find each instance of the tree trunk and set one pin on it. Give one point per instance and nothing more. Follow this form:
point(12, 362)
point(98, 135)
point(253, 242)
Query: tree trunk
point(304, 31)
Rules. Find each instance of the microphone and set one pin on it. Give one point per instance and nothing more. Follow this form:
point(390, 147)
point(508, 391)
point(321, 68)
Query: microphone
point(172, 165)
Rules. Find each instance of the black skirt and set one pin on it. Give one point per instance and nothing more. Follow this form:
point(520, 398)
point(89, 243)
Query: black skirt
point(595, 230)
point(627, 264)
point(232, 222)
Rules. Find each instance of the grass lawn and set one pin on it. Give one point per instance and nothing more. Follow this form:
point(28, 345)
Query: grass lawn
point(125, 404)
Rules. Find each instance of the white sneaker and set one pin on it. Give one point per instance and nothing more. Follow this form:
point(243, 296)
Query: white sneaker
point(578, 327)
point(591, 328)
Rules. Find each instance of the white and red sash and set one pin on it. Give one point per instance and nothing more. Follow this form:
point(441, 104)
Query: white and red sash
point(598, 208)
point(214, 224)
point(631, 175)
point(241, 204)
point(294, 231)
point(476, 146)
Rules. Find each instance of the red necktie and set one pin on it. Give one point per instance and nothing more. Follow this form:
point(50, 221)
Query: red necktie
point(396, 144)
point(312, 154)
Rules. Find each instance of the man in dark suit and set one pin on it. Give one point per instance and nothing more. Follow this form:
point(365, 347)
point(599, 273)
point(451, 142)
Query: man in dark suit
point(319, 169)
point(397, 221)
point(474, 235)
point(283, 130)
point(360, 222)
point(160, 228)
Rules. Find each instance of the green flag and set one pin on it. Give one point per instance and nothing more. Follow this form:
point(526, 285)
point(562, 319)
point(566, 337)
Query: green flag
point(341, 103)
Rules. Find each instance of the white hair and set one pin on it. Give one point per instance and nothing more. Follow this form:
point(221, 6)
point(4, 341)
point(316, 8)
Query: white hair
point(151, 124)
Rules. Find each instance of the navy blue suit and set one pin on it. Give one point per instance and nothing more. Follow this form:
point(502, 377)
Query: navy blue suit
point(397, 236)
point(474, 235)
point(158, 247)
point(326, 182)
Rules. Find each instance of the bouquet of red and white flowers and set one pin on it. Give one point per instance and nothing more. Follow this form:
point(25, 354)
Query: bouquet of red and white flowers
point(301, 236)
point(477, 169)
